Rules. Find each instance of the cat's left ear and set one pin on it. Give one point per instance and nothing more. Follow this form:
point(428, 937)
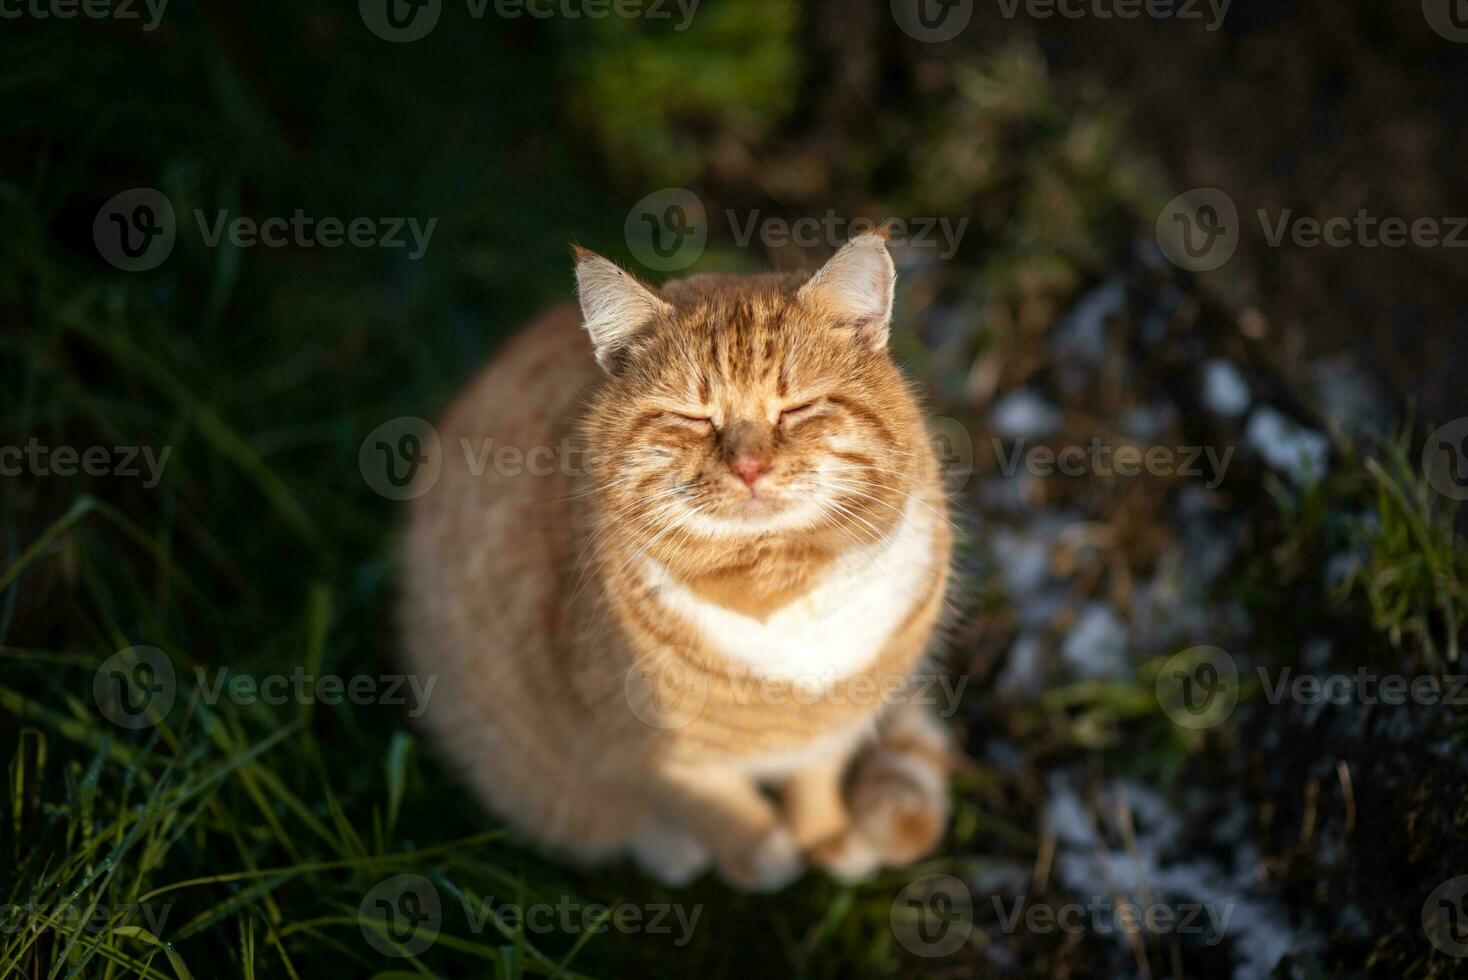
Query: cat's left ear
point(856, 288)
point(615, 306)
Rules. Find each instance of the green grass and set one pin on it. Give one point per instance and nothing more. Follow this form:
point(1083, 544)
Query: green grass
point(256, 831)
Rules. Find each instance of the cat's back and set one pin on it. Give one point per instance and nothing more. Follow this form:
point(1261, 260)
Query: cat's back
point(534, 384)
point(488, 541)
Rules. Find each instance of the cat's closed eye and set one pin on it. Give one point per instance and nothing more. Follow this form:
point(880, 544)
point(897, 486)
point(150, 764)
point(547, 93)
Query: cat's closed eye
point(688, 419)
point(796, 413)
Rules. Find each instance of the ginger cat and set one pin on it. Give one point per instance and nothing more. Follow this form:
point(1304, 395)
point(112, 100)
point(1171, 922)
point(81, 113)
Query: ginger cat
point(691, 642)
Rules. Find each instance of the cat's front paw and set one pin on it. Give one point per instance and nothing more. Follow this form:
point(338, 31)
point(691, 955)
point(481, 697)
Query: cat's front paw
point(848, 857)
point(899, 805)
point(670, 854)
point(770, 863)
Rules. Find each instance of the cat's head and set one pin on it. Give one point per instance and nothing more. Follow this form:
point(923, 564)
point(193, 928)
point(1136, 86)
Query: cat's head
point(751, 406)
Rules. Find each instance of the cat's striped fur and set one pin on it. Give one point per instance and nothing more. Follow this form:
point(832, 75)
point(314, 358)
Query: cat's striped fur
point(753, 522)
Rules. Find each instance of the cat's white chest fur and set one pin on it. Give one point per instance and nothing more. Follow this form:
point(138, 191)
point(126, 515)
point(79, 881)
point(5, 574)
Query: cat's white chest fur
point(836, 629)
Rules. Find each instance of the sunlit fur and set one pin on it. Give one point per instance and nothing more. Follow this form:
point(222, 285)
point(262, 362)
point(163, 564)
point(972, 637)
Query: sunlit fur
point(842, 431)
point(539, 601)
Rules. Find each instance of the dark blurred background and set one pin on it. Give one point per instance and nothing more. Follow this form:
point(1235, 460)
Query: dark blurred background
point(522, 133)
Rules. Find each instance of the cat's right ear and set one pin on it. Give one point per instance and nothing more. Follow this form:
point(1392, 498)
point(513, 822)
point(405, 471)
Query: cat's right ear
point(615, 305)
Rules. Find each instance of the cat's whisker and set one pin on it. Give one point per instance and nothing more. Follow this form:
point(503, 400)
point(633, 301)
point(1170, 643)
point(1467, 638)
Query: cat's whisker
point(637, 525)
point(876, 532)
point(594, 490)
point(906, 495)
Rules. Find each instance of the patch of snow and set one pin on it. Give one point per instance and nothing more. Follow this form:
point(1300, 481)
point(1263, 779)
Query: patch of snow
point(1147, 422)
point(1341, 566)
point(1003, 754)
point(1024, 561)
point(1081, 333)
point(1022, 676)
point(1097, 645)
point(1348, 395)
point(1042, 609)
point(1298, 452)
point(1317, 653)
point(1008, 493)
point(1256, 926)
point(1149, 253)
point(1225, 392)
point(1024, 414)
point(1157, 323)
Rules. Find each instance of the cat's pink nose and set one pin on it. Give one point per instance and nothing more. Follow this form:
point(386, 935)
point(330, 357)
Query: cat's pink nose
point(749, 467)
